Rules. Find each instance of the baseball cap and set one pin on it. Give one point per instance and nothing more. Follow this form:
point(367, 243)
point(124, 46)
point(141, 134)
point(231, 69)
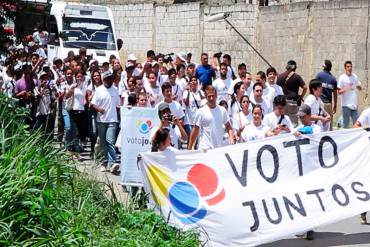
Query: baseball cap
point(182, 56)
point(92, 61)
point(291, 64)
point(304, 110)
point(42, 74)
point(107, 74)
point(131, 57)
point(163, 106)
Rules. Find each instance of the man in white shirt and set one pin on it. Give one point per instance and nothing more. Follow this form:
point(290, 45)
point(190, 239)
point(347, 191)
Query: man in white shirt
point(277, 121)
point(318, 114)
point(222, 84)
point(106, 101)
point(348, 83)
point(257, 98)
point(210, 121)
point(175, 106)
point(271, 80)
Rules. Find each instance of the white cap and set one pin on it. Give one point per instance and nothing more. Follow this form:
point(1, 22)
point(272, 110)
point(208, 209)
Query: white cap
point(131, 57)
point(92, 61)
point(182, 55)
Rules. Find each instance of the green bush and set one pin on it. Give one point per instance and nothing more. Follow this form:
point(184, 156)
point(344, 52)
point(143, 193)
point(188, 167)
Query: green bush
point(45, 201)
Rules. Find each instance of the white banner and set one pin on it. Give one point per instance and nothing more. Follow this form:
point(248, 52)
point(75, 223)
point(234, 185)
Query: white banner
point(257, 192)
point(136, 126)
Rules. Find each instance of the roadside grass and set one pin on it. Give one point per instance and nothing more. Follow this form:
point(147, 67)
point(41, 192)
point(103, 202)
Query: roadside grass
point(45, 201)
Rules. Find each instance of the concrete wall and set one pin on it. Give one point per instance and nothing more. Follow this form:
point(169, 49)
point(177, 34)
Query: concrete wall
point(312, 32)
point(307, 31)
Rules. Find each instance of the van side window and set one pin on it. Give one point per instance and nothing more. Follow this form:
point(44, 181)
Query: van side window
point(53, 31)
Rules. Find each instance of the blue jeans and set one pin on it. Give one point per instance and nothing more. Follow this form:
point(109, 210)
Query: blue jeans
point(68, 130)
point(107, 136)
point(347, 113)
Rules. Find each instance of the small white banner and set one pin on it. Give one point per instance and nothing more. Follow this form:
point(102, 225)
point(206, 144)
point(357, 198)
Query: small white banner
point(257, 192)
point(136, 125)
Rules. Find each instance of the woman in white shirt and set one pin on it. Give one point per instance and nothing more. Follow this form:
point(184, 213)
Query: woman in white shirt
point(94, 83)
point(234, 102)
point(256, 130)
point(242, 118)
point(154, 91)
point(77, 93)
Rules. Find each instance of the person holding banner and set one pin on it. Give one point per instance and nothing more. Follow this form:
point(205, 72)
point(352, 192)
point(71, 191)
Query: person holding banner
point(161, 140)
point(210, 121)
point(277, 121)
point(170, 122)
point(256, 130)
point(363, 122)
point(307, 126)
point(318, 114)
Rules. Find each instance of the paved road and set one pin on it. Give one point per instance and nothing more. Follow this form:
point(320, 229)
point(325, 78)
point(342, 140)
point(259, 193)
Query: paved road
point(345, 233)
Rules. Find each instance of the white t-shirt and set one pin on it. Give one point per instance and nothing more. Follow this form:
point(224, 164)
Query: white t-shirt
point(108, 99)
point(182, 82)
point(194, 104)
point(241, 120)
point(79, 94)
point(364, 118)
point(211, 123)
point(269, 94)
point(271, 120)
point(175, 134)
point(222, 88)
point(317, 107)
point(177, 91)
point(278, 89)
point(266, 105)
point(349, 98)
point(156, 92)
point(252, 132)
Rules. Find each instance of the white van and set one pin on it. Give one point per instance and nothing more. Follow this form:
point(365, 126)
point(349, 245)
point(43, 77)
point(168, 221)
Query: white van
point(71, 26)
point(82, 25)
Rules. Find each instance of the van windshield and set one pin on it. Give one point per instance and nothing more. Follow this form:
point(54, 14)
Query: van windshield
point(89, 33)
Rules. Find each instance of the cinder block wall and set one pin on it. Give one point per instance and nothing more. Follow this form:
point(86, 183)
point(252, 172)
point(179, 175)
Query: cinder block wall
point(307, 31)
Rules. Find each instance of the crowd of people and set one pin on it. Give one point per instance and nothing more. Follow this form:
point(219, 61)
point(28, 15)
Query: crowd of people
point(200, 106)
